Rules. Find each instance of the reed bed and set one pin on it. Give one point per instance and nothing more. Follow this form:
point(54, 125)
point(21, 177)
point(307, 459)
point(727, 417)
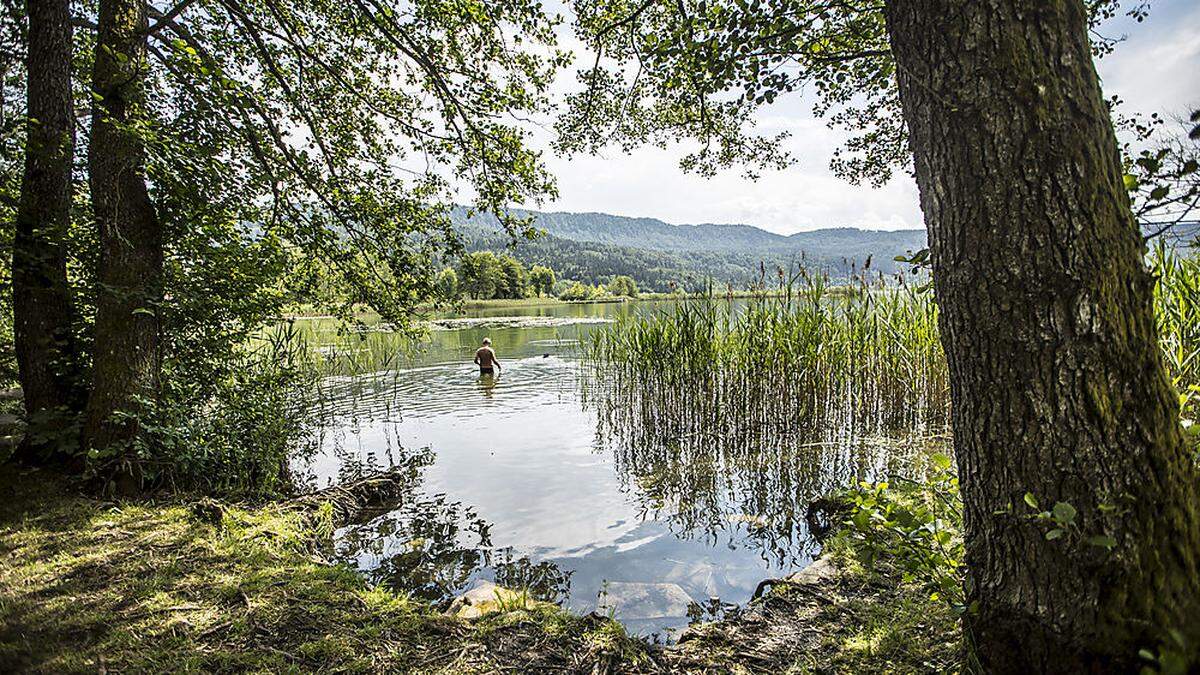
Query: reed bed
point(801, 355)
point(787, 360)
point(1177, 311)
point(721, 412)
point(736, 415)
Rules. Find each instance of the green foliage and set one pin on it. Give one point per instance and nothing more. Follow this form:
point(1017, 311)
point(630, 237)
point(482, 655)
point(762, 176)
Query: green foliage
point(383, 103)
point(577, 292)
point(485, 275)
point(1177, 311)
point(447, 284)
point(542, 280)
point(514, 278)
point(257, 414)
point(1162, 168)
point(298, 153)
point(624, 286)
point(700, 69)
point(916, 526)
point(1171, 657)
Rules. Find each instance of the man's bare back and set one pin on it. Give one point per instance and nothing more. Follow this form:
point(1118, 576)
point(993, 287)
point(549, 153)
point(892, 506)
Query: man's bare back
point(486, 359)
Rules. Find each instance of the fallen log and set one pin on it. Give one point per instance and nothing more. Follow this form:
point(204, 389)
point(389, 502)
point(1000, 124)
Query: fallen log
point(354, 502)
point(360, 500)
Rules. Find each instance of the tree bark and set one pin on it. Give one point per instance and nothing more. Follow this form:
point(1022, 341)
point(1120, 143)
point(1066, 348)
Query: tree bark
point(126, 357)
point(1046, 318)
point(42, 310)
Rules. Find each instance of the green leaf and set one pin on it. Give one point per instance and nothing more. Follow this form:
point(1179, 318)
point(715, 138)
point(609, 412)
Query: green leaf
point(940, 461)
point(1064, 513)
point(1131, 182)
point(1054, 534)
point(1160, 192)
point(1031, 500)
point(1102, 540)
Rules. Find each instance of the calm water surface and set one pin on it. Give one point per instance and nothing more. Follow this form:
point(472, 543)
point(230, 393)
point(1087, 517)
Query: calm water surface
point(541, 478)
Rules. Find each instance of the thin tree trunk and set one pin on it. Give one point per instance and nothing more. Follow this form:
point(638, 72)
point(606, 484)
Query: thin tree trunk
point(42, 311)
point(1045, 303)
point(126, 354)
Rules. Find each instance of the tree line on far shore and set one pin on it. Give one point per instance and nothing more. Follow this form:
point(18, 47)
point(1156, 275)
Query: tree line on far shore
point(484, 275)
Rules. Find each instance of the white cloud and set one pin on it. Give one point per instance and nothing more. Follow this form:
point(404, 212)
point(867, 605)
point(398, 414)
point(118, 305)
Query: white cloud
point(1155, 69)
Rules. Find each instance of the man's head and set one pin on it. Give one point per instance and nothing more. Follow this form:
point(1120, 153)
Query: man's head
point(487, 342)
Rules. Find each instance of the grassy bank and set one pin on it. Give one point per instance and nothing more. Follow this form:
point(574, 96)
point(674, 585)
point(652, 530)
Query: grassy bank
point(88, 586)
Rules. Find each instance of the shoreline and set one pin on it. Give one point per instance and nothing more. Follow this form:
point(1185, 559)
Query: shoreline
point(164, 585)
point(309, 313)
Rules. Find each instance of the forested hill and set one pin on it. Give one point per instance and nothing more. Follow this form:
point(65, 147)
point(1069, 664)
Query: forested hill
point(651, 233)
point(591, 247)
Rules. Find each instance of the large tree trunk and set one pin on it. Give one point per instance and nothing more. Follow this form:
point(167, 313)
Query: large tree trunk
point(126, 357)
point(1047, 323)
point(42, 311)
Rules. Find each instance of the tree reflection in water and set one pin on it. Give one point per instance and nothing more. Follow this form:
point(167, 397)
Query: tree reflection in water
point(432, 548)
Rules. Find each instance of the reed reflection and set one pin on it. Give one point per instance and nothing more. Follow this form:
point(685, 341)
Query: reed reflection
point(729, 424)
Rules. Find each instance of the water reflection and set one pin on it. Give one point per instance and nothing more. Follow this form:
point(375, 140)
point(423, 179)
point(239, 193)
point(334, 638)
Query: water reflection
point(658, 499)
point(432, 547)
point(746, 476)
point(487, 384)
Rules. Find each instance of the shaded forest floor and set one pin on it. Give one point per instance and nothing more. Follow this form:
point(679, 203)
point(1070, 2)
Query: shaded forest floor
point(91, 586)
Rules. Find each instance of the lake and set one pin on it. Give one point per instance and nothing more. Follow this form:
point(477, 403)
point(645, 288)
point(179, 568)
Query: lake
point(550, 477)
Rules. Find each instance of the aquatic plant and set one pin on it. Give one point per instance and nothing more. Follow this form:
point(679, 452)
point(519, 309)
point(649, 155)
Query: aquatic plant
point(728, 414)
point(1177, 311)
point(787, 357)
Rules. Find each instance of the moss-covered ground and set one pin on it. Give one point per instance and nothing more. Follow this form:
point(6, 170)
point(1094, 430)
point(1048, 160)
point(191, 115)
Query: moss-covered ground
point(90, 586)
point(155, 586)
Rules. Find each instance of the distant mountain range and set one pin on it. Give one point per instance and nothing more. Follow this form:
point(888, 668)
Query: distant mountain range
point(591, 247)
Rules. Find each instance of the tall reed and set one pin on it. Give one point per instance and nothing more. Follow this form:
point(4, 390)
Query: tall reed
point(1177, 310)
point(787, 358)
point(726, 413)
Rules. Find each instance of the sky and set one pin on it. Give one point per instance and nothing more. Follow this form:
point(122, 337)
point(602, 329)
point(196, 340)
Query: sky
point(1156, 68)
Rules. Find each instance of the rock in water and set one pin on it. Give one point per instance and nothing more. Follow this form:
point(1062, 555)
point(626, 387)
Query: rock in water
point(822, 572)
point(635, 601)
point(486, 597)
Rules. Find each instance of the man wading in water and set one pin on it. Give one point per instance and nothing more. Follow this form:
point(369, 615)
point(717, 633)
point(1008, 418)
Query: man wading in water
point(485, 358)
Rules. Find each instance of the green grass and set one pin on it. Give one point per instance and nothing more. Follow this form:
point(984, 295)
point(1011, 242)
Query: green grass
point(152, 587)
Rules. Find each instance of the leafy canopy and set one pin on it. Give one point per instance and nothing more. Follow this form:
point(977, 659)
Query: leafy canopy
point(672, 70)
